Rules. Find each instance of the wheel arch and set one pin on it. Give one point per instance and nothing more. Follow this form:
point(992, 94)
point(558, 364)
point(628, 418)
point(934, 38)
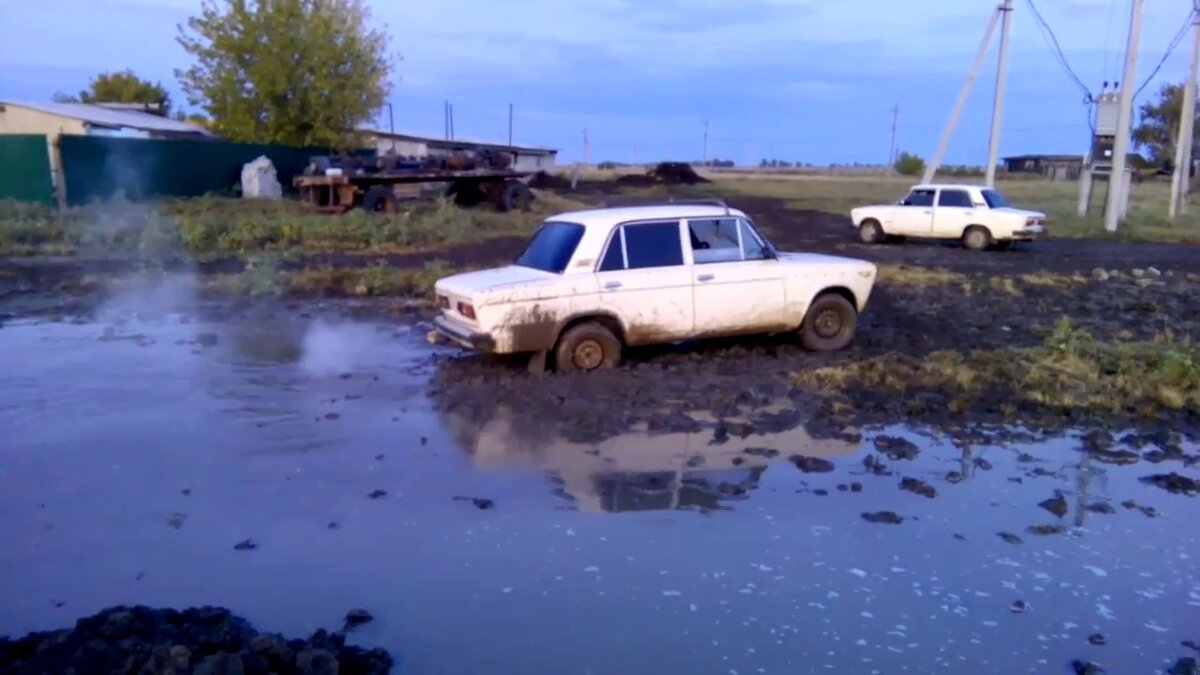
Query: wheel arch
point(837, 290)
point(607, 319)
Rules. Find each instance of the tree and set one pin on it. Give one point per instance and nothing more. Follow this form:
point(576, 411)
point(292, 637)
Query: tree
point(122, 86)
point(296, 72)
point(909, 165)
point(1158, 125)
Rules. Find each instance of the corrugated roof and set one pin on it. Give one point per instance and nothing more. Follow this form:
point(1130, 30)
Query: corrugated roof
point(400, 135)
point(112, 118)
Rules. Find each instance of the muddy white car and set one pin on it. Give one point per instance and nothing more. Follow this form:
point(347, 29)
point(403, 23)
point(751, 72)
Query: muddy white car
point(979, 217)
point(592, 282)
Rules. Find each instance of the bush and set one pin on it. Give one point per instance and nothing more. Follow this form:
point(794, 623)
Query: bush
point(909, 164)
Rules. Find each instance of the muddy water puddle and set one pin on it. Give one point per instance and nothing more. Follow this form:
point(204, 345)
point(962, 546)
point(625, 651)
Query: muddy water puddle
point(291, 469)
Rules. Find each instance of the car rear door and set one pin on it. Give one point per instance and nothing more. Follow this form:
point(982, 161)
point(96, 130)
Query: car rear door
point(645, 281)
point(738, 290)
point(913, 216)
point(954, 212)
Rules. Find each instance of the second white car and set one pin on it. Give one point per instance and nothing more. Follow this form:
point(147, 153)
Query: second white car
point(979, 217)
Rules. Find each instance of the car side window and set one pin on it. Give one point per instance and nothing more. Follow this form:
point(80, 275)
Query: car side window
point(614, 257)
point(652, 245)
point(752, 248)
point(919, 198)
point(955, 198)
point(714, 240)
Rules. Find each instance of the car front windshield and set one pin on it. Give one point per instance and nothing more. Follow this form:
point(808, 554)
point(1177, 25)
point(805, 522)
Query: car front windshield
point(995, 200)
point(552, 247)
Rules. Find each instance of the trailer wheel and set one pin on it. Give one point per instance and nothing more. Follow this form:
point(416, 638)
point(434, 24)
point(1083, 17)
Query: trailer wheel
point(465, 193)
point(516, 197)
point(379, 199)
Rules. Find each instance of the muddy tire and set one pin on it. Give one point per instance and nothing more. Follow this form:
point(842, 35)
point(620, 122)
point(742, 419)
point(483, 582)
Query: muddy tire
point(515, 197)
point(829, 324)
point(977, 238)
point(871, 232)
point(586, 347)
point(379, 199)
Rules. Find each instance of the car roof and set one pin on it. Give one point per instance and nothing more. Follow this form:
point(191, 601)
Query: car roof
point(607, 217)
point(949, 186)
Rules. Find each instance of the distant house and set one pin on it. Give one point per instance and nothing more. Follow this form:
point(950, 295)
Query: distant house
point(84, 119)
point(526, 158)
point(1054, 167)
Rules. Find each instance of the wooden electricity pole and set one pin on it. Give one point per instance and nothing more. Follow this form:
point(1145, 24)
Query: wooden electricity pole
point(1117, 196)
point(892, 146)
point(1181, 180)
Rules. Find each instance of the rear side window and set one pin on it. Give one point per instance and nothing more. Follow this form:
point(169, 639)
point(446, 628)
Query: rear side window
point(552, 247)
point(653, 245)
point(957, 198)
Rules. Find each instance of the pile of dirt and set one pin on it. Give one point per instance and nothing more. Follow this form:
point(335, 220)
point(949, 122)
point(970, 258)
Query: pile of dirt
point(198, 640)
point(548, 181)
point(665, 173)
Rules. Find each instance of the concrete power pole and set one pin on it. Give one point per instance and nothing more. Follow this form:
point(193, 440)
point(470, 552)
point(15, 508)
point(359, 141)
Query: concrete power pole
point(1181, 180)
point(1006, 10)
point(1116, 198)
point(704, 158)
point(892, 146)
point(948, 131)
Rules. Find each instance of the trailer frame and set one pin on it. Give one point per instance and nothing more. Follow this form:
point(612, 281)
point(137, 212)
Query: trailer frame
point(338, 192)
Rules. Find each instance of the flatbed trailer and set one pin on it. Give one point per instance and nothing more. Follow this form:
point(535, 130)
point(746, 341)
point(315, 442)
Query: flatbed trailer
point(338, 192)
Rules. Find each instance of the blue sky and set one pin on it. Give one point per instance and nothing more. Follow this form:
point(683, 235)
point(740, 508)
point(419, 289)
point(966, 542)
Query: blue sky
point(802, 80)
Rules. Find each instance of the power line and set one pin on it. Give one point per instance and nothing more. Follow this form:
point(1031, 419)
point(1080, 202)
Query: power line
point(1048, 33)
point(1170, 48)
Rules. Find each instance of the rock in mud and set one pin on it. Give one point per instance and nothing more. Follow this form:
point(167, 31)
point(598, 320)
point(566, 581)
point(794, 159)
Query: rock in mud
point(768, 453)
point(1148, 511)
point(1101, 507)
point(1056, 505)
point(377, 494)
point(357, 617)
point(896, 448)
point(1173, 483)
point(245, 545)
point(811, 464)
point(1019, 607)
point(1185, 666)
point(176, 520)
point(1045, 530)
point(982, 464)
point(856, 487)
point(1097, 640)
point(954, 477)
point(1086, 668)
point(481, 503)
point(1009, 537)
point(884, 517)
point(738, 461)
point(1097, 440)
point(695, 461)
point(918, 486)
point(875, 466)
point(1116, 457)
point(202, 641)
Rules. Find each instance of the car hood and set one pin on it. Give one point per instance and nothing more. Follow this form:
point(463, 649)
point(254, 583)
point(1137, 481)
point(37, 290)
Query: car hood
point(471, 283)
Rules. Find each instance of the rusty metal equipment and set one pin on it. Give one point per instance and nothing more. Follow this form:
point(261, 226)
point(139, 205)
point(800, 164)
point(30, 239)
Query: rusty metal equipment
point(332, 184)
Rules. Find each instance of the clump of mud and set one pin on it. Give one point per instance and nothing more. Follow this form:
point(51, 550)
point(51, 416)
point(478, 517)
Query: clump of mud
point(198, 640)
point(665, 173)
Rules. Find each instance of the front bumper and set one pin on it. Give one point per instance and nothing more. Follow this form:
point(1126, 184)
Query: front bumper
point(462, 335)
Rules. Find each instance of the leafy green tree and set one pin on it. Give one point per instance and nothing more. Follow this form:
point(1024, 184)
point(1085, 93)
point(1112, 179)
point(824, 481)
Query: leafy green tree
point(909, 164)
point(296, 72)
point(121, 86)
point(1158, 125)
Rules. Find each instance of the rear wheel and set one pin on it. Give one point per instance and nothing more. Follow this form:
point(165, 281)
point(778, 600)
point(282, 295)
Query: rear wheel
point(871, 232)
point(587, 347)
point(977, 238)
point(829, 324)
point(379, 199)
point(516, 196)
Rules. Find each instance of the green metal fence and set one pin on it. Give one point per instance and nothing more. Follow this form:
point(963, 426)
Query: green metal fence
point(98, 167)
point(25, 169)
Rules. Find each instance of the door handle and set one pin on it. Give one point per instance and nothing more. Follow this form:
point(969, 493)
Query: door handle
point(612, 284)
point(705, 277)
point(928, 212)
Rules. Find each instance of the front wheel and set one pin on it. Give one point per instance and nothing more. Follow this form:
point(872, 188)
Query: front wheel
point(829, 324)
point(587, 347)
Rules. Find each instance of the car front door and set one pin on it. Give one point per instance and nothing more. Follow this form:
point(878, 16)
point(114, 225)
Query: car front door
point(645, 281)
point(738, 289)
point(953, 214)
point(913, 216)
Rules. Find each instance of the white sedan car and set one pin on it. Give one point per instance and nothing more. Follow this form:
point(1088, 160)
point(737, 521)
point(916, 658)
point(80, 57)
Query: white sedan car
point(979, 217)
point(591, 282)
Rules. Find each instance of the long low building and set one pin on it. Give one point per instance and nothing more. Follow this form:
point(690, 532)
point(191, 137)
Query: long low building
point(526, 158)
point(85, 119)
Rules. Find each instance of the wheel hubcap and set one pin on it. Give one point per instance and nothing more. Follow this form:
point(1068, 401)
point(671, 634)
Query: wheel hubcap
point(828, 323)
point(588, 355)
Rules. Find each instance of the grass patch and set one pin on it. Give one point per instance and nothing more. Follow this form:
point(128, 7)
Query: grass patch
point(924, 277)
point(262, 278)
point(210, 227)
point(1069, 373)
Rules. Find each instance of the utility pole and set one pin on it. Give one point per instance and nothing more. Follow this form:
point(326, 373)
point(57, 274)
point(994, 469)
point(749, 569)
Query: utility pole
point(510, 111)
point(587, 149)
point(962, 98)
point(1181, 180)
point(704, 159)
point(392, 126)
point(1006, 10)
point(892, 146)
point(1117, 198)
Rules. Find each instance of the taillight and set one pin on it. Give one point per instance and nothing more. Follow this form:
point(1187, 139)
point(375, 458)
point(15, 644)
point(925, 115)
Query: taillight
point(443, 302)
point(466, 310)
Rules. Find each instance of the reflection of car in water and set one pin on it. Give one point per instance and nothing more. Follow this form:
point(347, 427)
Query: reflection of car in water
point(639, 471)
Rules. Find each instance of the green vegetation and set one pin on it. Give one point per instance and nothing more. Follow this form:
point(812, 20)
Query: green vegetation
point(121, 87)
point(262, 278)
point(290, 72)
point(1070, 372)
point(909, 164)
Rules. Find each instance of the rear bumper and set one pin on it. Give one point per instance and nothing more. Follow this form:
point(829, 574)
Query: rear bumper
point(1029, 233)
point(462, 335)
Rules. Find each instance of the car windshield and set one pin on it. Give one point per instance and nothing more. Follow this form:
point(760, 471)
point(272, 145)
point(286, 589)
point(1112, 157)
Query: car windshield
point(995, 200)
point(552, 247)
